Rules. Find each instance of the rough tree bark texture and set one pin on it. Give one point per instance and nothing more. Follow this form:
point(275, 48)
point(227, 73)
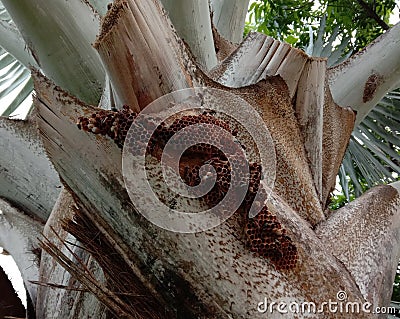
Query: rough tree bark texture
point(94, 234)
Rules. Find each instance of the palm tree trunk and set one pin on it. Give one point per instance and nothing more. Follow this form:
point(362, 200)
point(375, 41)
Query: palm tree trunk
point(96, 241)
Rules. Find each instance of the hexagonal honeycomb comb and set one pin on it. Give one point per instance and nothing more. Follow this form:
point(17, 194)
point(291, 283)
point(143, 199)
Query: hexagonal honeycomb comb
point(264, 234)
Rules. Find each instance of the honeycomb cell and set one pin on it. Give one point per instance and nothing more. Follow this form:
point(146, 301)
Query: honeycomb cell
point(114, 124)
point(267, 237)
point(264, 234)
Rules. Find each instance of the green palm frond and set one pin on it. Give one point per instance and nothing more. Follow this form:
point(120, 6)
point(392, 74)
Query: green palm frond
point(4, 16)
point(374, 150)
point(326, 47)
point(16, 85)
point(373, 154)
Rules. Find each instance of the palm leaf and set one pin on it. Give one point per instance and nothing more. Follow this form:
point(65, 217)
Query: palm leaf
point(16, 104)
point(14, 77)
point(375, 151)
point(15, 83)
point(373, 155)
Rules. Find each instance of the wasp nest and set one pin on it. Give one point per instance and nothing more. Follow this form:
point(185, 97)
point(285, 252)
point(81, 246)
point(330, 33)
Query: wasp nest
point(268, 238)
point(113, 124)
point(264, 233)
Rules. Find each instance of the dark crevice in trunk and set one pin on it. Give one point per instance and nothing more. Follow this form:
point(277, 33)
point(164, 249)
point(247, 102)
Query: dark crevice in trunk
point(10, 304)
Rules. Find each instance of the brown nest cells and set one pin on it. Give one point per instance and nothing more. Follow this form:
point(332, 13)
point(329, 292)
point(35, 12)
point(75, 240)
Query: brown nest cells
point(264, 234)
